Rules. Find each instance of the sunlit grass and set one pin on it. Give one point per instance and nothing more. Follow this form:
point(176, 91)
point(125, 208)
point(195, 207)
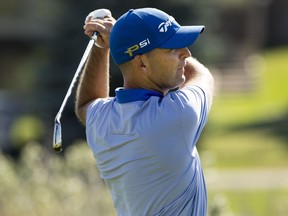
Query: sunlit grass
point(230, 143)
point(235, 146)
point(250, 203)
point(250, 150)
point(270, 99)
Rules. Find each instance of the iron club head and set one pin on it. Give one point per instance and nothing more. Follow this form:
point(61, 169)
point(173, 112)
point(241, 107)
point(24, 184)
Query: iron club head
point(57, 137)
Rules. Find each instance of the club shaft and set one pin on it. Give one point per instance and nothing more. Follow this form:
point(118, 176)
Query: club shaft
point(77, 73)
point(57, 136)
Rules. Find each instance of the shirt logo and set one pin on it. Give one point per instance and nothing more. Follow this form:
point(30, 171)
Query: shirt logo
point(163, 27)
point(136, 47)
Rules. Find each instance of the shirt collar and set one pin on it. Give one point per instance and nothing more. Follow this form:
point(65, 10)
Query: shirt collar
point(130, 95)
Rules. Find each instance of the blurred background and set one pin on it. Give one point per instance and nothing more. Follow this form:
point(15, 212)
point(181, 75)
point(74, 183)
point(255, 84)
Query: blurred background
point(244, 147)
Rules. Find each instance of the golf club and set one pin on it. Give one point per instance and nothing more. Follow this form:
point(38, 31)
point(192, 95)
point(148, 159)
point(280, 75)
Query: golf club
point(57, 136)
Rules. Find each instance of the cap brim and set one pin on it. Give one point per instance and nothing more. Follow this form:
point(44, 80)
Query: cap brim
point(185, 36)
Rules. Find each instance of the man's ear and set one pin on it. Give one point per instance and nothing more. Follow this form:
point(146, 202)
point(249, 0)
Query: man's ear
point(140, 62)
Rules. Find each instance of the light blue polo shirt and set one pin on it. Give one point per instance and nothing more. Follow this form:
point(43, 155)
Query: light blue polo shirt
point(144, 144)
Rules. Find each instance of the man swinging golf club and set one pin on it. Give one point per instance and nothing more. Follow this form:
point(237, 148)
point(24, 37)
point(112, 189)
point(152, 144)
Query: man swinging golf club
point(144, 139)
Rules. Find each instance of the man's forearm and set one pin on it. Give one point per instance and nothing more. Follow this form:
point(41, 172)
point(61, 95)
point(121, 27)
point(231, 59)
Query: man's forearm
point(94, 81)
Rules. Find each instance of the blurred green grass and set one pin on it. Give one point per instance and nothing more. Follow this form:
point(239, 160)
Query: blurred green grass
point(236, 131)
point(248, 131)
point(249, 203)
point(269, 100)
point(246, 150)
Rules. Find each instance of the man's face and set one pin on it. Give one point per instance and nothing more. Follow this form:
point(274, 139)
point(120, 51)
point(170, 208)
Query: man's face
point(167, 67)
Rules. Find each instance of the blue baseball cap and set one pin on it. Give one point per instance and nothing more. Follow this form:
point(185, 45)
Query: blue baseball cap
point(141, 30)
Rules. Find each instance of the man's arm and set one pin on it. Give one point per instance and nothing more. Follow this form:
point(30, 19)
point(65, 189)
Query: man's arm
point(94, 81)
point(197, 74)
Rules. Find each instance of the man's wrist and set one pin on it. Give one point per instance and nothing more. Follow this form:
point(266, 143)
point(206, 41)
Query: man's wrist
point(100, 50)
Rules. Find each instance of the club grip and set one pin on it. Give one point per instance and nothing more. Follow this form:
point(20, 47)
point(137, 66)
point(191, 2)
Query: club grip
point(99, 14)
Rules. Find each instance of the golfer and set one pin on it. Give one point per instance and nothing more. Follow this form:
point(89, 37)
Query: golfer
point(144, 139)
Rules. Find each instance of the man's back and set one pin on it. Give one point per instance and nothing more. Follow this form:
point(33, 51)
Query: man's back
point(145, 150)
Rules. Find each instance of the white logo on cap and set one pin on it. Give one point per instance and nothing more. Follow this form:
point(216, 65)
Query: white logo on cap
point(163, 27)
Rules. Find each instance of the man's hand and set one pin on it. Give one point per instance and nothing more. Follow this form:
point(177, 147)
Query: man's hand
point(197, 74)
point(103, 26)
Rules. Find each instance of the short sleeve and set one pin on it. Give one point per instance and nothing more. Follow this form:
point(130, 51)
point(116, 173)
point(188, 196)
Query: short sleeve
point(194, 109)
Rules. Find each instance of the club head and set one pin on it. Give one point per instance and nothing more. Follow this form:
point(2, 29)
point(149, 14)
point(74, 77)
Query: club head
point(57, 137)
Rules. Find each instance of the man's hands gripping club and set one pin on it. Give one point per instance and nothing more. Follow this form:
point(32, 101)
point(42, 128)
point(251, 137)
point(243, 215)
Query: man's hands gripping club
point(96, 23)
